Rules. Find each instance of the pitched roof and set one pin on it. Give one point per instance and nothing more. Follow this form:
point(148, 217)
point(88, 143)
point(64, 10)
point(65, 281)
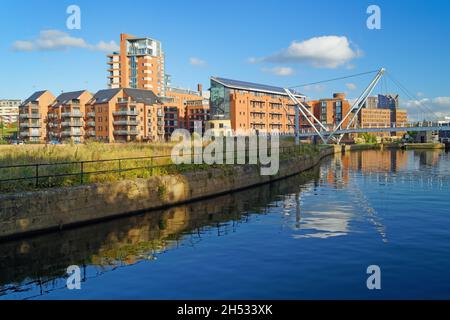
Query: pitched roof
point(139, 95)
point(250, 86)
point(34, 97)
point(142, 96)
point(104, 96)
point(65, 97)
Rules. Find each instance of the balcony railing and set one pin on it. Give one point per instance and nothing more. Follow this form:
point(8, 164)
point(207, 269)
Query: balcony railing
point(90, 133)
point(30, 115)
point(30, 125)
point(73, 114)
point(71, 124)
point(30, 134)
point(125, 113)
point(90, 123)
point(90, 114)
point(126, 123)
point(125, 132)
point(69, 133)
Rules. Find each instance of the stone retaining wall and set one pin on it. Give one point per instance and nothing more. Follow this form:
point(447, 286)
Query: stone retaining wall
point(52, 209)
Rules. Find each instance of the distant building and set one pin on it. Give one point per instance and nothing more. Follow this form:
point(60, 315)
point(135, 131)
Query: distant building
point(178, 97)
point(197, 114)
point(388, 101)
point(375, 118)
point(139, 64)
point(331, 111)
point(371, 103)
point(9, 110)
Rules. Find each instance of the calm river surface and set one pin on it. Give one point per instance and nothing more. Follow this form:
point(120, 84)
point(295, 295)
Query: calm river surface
point(305, 237)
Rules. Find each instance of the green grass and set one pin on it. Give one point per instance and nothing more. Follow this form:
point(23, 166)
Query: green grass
point(6, 132)
point(55, 160)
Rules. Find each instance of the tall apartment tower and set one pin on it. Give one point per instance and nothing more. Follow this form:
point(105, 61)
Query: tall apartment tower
point(139, 65)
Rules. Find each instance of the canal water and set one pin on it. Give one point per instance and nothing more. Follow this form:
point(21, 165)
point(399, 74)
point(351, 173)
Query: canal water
point(309, 236)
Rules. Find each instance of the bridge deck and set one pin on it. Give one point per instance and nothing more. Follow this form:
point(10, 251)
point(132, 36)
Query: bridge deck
point(390, 129)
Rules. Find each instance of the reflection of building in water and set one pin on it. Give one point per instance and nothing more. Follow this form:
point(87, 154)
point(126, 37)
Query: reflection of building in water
point(339, 176)
point(368, 161)
point(38, 263)
point(427, 158)
point(376, 160)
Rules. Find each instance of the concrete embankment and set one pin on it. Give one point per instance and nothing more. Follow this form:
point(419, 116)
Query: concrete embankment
point(412, 146)
point(424, 146)
point(53, 209)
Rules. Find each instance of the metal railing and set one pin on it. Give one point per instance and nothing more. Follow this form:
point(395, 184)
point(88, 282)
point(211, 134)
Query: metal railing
point(41, 174)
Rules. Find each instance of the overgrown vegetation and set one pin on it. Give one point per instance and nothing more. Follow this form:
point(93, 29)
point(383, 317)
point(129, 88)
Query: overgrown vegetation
point(70, 165)
point(368, 138)
point(7, 131)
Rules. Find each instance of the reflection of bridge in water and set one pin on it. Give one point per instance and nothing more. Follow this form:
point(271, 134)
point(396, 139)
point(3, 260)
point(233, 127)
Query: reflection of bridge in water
point(34, 266)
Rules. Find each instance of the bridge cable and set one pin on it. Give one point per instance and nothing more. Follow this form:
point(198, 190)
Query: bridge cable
point(335, 79)
point(412, 96)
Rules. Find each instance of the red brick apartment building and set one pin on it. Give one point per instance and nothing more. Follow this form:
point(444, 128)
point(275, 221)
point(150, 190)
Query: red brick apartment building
point(32, 116)
point(124, 115)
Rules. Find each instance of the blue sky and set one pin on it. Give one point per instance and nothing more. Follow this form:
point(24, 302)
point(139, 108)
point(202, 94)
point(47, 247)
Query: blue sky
point(221, 38)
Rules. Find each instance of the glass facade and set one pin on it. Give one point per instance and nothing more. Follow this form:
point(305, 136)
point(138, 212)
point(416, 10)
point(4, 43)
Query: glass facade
point(220, 101)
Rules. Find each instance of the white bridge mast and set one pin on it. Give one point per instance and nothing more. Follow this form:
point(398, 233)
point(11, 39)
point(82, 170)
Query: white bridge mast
point(325, 134)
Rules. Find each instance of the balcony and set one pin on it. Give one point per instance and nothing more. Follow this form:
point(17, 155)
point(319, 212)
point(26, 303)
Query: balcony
point(125, 132)
point(73, 114)
point(30, 116)
point(30, 134)
point(69, 133)
point(90, 133)
point(91, 114)
point(30, 125)
point(125, 113)
point(126, 123)
point(123, 100)
point(90, 123)
point(72, 124)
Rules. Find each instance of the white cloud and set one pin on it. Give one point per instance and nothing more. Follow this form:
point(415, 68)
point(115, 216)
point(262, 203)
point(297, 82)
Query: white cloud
point(320, 52)
point(253, 60)
point(280, 71)
point(350, 86)
point(107, 46)
point(197, 62)
point(60, 40)
point(439, 106)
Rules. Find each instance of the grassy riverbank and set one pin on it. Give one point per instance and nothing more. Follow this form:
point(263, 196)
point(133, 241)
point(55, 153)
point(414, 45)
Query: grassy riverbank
point(41, 166)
